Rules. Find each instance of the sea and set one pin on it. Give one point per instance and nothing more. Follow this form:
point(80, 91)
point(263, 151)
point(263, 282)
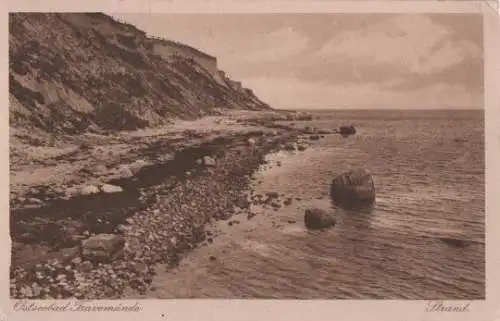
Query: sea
point(429, 172)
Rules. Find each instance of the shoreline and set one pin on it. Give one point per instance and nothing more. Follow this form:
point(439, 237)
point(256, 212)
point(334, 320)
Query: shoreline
point(159, 216)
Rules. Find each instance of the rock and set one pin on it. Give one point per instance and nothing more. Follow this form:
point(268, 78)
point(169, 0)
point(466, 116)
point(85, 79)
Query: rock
point(243, 203)
point(125, 171)
point(288, 201)
point(272, 194)
point(212, 258)
point(251, 141)
point(26, 292)
point(453, 241)
point(347, 130)
point(275, 205)
point(37, 289)
point(103, 247)
point(250, 215)
point(76, 261)
point(352, 189)
point(292, 221)
point(34, 200)
point(290, 147)
point(316, 218)
point(99, 169)
point(314, 137)
point(209, 161)
point(301, 148)
point(89, 190)
point(73, 234)
point(122, 228)
point(86, 266)
point(61, 278)
point(140, 268)
point(107, 188)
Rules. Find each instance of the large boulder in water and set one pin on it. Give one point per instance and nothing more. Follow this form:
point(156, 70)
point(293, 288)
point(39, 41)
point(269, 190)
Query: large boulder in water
point(353, 189)
point(316, 218)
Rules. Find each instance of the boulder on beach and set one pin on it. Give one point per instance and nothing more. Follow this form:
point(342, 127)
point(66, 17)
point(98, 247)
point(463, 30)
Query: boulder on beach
point(102, 247)
point(108, 188)
point(316, 218)
point(209, 161)
point(89, 190)
point(354, 188)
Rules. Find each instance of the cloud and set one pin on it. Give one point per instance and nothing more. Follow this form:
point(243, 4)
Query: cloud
point(415, 42)
point(282, 43)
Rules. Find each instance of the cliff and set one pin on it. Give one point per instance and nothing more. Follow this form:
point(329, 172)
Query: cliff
point(77, 72)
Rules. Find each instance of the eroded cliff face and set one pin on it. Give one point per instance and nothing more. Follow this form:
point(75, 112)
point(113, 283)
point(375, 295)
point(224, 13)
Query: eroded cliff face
point(77, 72)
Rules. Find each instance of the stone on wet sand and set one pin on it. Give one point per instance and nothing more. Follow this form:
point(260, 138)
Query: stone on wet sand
point(316, 218)
point(89, 190)
point(108, 188)
point(209, 161)
point(352, 189)
point(125, 171)
point(33, 200)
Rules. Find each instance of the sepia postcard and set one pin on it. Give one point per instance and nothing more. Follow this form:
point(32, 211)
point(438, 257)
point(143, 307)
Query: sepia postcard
point(242, 160)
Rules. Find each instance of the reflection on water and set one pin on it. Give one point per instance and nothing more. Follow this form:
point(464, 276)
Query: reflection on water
point(429, 174)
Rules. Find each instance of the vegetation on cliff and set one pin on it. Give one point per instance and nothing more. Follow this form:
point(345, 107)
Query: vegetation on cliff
point(86, 72)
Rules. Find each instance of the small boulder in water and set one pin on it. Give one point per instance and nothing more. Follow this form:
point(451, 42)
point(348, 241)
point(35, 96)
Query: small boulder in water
point(316, 218)
point(347, 130)
point(354, 188)
point(453, 241)
point(314, 137)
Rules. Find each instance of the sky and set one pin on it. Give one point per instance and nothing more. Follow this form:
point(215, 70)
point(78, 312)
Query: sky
point(318, 61)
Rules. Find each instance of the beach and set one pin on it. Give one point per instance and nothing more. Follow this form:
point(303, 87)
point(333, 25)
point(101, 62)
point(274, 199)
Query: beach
point(170, 184)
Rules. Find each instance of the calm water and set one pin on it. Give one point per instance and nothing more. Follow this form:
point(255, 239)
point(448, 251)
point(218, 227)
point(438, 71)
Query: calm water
point(429, 172)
